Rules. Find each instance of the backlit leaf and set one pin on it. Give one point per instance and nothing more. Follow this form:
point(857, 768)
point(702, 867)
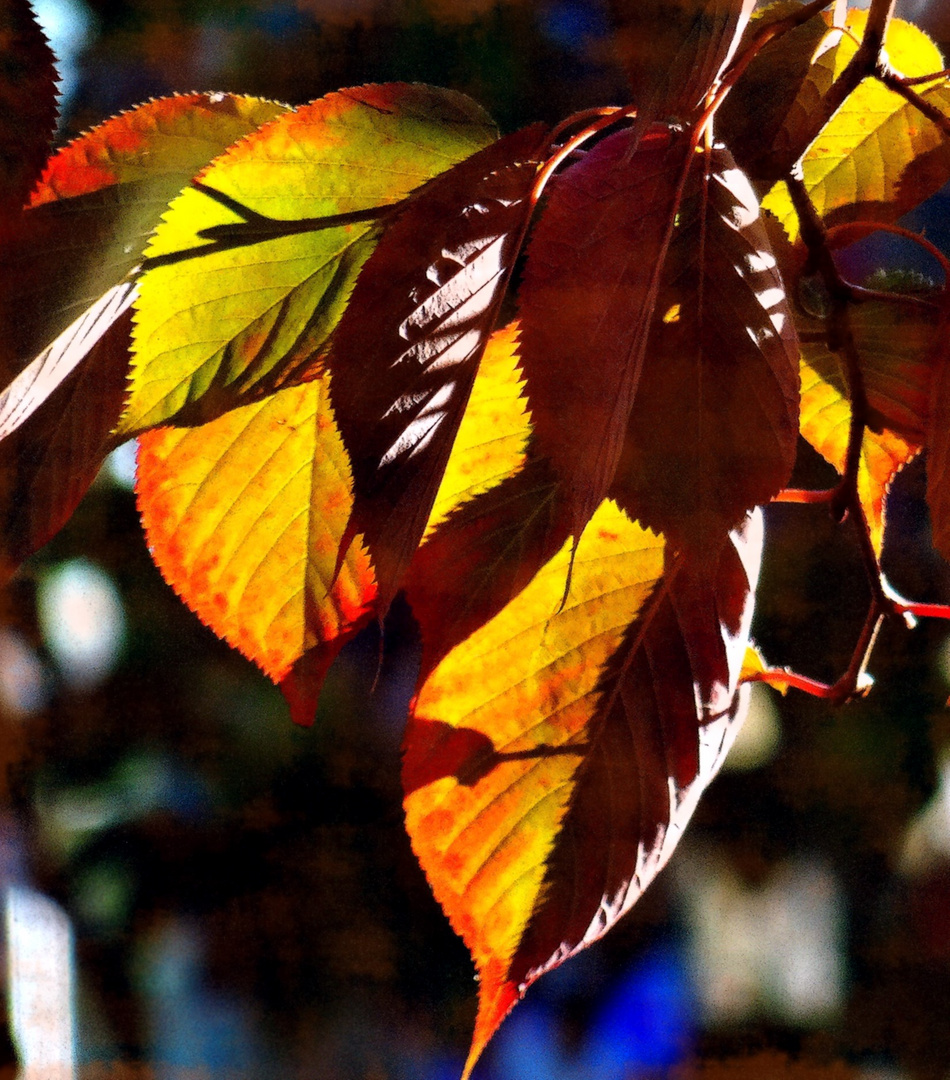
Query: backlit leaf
point(48, 464)
point(762, 118)
point(863, 164)
point(244, 516)
point(586, 300)
point(825, 424)
point(713, 429)
point(27, 102)
point(493, 434)
point(553, 757)
point(481, 556)
point(92, 212)
point(406, 350)
point(674, 50)
point(898, 342)
point(251, 269)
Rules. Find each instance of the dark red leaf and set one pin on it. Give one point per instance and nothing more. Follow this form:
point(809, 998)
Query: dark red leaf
point(27, 103)
point(668, 714)
point(588, 294)
point(713, 430)
point(405, 353)
point(47, 464)
point(481, 557)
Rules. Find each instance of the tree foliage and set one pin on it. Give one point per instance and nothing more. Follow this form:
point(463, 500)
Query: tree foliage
point(539, 383)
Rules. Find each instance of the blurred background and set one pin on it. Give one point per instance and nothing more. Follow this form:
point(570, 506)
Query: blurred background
point(202, 890)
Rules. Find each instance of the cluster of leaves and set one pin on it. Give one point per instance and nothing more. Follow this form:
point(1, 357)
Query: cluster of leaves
point(539, 383)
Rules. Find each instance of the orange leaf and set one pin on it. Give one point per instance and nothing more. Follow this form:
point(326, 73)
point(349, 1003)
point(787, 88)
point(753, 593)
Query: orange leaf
point(244, 517)
point(553, 756)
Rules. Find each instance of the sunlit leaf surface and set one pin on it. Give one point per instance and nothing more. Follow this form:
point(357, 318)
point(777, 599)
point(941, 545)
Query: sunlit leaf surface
point(878, 156)
point(554, 756)
point(247, 277)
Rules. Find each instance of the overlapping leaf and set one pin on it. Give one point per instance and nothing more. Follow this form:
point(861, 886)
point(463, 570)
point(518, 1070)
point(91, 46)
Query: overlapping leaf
point(66, 294)
point(244, 517)
point(713, 428)
point(826, 423)
point(27, 102)
point(586, 301)
point(878, 156)
point(763, 119)
point(492, 437)
point(251, 269)
point(97, 202)
point(48, 464)
point(674, 50)
point(406, 351)
point(554, 756)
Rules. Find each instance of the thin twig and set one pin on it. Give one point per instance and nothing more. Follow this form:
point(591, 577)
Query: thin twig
point(902, 86)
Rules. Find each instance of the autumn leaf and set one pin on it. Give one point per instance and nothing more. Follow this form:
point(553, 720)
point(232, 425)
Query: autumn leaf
point(493, 435)
point(713, 428)
point(244, 516)
point(673, 51)
point(482, 555)
point(66, 294)
point(89, 218)
point(588, 291)
point(27, 103)
point(553, 756)
point(251, 268)
point(405, 353)
point(826, 425)
point(48, 464)
point(762, 118)
point(878, 156)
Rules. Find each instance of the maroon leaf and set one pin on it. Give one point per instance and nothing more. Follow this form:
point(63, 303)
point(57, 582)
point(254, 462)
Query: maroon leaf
point(27, 102)
point(673, 51)
point(714, 427)
point(405, 353)
point(588, 294)
point(668, 714)
point(481, 557)
point(48, 463)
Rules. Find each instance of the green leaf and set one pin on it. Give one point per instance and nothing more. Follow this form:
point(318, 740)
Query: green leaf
point(252, 267)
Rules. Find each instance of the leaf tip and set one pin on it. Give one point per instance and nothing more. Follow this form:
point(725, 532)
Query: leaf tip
point(497, 996)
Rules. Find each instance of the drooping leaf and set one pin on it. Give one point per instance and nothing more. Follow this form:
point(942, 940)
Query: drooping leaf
point(252, 267)
point(898, 341)
point(586, 301)
point(714, 426)
point(492, 437)
point(27, 102)
point(673, 51)
point(97, 202)
point(406, 350)
point(826, 423)
point(48, 464)
point(553, 757)
point(761, 119)
point(244, 516)
point(864, 164)
point(481, 556)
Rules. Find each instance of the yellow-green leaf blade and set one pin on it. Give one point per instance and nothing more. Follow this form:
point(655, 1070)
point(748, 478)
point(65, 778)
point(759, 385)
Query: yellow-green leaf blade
point(243, 309)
